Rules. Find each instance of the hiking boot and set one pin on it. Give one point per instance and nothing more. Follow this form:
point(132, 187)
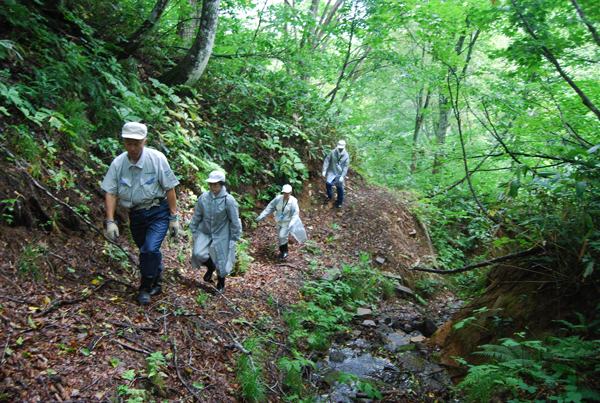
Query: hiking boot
point(144, 290)
point(221, 284)
point(328, 199)
point(339, 205)
point(157, 285)
point(283, 251)
point(210, 269)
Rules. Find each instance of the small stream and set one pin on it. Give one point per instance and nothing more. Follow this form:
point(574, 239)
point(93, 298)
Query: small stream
point(410, 372)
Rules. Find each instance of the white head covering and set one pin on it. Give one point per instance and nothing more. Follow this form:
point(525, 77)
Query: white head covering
point(134, 130)
point(342, 144)
point(286, 189)
point(216, 176)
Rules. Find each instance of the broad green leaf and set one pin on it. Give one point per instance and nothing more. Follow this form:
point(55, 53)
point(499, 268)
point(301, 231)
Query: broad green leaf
point(588, 269)
point(514, 189)
point(580, 189)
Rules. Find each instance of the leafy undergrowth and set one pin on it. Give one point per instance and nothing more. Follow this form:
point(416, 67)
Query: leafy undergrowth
point(71, 328)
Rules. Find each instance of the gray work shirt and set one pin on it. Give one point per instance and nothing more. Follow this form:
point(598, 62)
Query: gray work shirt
point(140, 183)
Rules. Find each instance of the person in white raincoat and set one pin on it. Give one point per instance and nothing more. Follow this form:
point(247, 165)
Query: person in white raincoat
point(287, 219)
point(335, 169)
point(216, 227)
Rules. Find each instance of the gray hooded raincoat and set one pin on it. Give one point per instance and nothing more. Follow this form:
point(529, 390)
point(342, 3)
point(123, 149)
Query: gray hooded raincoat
point(216, 221)
point(287, 219)
point(336, 166)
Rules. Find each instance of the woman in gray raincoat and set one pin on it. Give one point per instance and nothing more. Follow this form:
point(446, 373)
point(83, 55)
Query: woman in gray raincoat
point(216, 227)
point(287, 219)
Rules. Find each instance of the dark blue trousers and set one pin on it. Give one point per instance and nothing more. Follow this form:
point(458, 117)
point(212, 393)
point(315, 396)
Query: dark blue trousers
point(149, 228)
point(340, 192)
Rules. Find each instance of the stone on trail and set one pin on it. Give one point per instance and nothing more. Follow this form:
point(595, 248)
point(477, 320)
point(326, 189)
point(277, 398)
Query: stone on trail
point(369, 323)
point(417, 339)
point(364, 312)
point(380, 260)
point(391, 275)
point(404, 289)
point(394, 341)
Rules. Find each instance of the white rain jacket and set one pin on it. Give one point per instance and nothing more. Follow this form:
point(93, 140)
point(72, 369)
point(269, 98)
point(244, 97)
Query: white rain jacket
point(336, 166)
point(215, 222)
point(290, 223)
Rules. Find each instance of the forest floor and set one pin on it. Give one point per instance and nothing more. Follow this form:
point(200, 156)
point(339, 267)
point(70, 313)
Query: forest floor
point(72, 331)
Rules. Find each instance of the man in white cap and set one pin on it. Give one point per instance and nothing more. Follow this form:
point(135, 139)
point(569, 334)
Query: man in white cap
point(216, 227)
point(287, 219)
point(143, 182)
point(335, 169)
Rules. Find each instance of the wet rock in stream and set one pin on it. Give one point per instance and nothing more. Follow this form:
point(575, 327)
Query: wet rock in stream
point(408, 370)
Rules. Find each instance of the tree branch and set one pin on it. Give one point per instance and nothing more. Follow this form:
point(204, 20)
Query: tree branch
point(584, 20)
point(550, 56)
point(529, 252)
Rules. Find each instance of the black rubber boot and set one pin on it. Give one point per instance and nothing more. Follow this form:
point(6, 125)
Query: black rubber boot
point(221, 284)
point(157, 286)
point(210, 269)
point(283, 249)
point(144, 290)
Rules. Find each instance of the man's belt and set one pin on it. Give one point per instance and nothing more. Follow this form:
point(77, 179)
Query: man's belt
point(154, 203)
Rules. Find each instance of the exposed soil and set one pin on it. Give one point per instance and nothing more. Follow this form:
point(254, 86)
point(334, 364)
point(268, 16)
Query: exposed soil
point(71, 327)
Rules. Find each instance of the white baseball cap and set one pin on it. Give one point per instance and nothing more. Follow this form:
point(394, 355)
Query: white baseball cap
point(216, 176)
point(134, 130)
point(286, 189)
point(341, 144)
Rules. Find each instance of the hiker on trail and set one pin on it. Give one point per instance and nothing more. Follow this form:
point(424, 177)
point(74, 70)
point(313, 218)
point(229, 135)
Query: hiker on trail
point(335, 169)
point(287, 219)
point(216, 227)
point(143, 182)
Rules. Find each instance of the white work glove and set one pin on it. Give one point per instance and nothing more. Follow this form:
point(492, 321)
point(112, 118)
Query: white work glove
point(112, 231)
point(231, 245)
point(259, 219)
point(173, 227)
point(324, 173)
point(341, 180)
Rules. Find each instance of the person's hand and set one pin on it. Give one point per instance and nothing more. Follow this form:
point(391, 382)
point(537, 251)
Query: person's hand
point(341, 180)
point(112, 231)
point(231, 245)
point(173, 227)
point(258, 219)
point(194, 236)
point(324, 174)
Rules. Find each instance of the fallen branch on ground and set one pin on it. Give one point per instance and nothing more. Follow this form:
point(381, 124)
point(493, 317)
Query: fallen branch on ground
point(76, 300)
point(179, 376)
point(238, 345)
point(529, 252)
point(152, 329)
point(127, 346)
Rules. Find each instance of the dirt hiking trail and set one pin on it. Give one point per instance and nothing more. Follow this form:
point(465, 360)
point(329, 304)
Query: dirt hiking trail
point(71, 329)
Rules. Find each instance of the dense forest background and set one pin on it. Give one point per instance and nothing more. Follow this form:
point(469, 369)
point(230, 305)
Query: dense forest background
point(486, 112)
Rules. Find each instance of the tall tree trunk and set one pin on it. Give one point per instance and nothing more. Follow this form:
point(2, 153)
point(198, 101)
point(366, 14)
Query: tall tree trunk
point(444, 103)
point(346, 63)
point(191, 67)
point(440, 132)
point(186, 28)
point(138, 37)
point(421, 107)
